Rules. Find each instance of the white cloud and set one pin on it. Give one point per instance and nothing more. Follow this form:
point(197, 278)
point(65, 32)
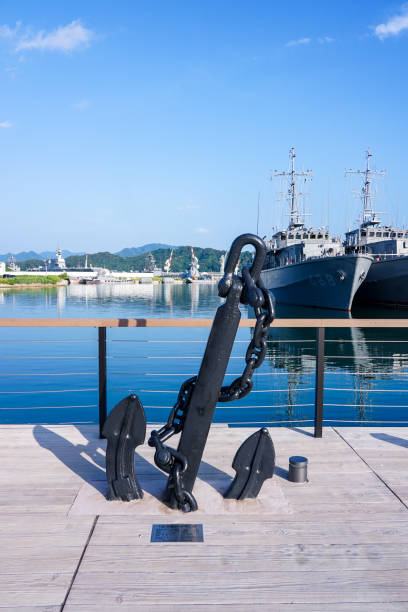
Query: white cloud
point(82, 105)
point(7, 32)
point(299, 41)
point(325, 39)
point(322, 40)
point(64, 38)
point(393, 26)
point(6, 124)
point(202, 230)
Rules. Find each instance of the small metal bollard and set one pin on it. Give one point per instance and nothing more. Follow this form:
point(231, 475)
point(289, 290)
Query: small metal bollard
point(298, 469)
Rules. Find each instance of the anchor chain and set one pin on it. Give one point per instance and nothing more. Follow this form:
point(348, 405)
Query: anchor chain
point(257, 296)
point(175, 464)
point(170, 460)
point(177, 415)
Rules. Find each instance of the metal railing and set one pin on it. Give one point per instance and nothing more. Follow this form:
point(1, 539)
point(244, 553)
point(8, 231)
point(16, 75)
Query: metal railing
point(386, 255)
point(320, 325)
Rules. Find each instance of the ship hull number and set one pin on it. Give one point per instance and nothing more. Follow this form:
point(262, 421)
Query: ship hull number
point(322, 280)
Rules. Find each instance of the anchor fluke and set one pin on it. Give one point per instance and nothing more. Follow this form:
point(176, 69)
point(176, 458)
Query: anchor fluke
point(124, 429)
point(254, 462)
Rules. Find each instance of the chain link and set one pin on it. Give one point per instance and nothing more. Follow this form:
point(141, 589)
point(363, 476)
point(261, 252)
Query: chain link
point(185, 500)
point(257, 296)
point(177, 416)
point(172, 462)
point(168, 459)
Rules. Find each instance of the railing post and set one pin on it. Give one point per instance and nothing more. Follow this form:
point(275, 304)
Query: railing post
point(102, 377)
point(318, 423)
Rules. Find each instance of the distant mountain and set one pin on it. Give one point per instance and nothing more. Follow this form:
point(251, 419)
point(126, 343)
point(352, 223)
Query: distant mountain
point(130, 252)
point(25, 255)
point(145, 248)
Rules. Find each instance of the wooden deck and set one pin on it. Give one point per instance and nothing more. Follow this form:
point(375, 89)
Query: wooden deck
point(337, 543)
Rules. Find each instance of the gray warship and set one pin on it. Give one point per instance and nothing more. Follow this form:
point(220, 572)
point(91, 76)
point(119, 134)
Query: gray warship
point(387, 279)
point(308, 267)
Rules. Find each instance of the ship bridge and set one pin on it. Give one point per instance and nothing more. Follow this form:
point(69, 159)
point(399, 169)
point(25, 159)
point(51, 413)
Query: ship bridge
point(295, 246)
point(378, 240)
point(286, 238)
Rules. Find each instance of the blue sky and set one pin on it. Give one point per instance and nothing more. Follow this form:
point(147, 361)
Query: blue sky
point(132, 122)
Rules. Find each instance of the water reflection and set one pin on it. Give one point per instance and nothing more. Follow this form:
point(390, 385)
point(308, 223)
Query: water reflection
point(365, 350)
point(61, 300)
point(365, 368)
point(113, 300)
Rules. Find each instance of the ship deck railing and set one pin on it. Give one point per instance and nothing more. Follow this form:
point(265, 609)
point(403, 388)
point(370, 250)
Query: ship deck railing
point(386, 255)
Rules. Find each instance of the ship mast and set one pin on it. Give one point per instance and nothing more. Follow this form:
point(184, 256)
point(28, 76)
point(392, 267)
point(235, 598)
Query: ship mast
point(295, 216)
point(369, 214)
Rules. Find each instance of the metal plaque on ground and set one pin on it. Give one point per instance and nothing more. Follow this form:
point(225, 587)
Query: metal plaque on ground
point(177, 533)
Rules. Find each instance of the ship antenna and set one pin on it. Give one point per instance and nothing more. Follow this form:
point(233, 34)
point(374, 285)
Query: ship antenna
point(257, 216)
point(295, 215)
point(328, 206)
point(369, 214)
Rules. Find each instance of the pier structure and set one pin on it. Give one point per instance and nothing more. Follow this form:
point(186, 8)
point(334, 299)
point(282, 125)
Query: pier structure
point(337, 542)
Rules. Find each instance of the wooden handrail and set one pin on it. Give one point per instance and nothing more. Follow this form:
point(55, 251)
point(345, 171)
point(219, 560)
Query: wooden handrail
point(191, 322)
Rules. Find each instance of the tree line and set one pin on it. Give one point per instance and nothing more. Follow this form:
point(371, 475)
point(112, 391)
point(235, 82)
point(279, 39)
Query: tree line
point(209, 260)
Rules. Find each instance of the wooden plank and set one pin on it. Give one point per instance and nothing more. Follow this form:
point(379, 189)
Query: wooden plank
point(123, 531)
point(374, 606)
point(32, 560)
point(39, 499)
point(33, 589)
point(241, 587)
point(114, 322)
point(191, 322)
point(31, 608)
point(331, 544)
point(270, 557)
point(41, 543)
point(71, 531)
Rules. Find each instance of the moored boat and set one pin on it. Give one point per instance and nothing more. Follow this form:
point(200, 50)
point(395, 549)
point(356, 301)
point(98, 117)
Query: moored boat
point(387, 280)
point(308, 267)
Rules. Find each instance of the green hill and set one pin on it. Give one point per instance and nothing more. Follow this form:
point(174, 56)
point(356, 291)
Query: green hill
point(31, 263)
point(209, 260)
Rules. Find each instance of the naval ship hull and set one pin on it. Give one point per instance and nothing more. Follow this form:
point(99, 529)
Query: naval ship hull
point(325, 282)
point(386, 283)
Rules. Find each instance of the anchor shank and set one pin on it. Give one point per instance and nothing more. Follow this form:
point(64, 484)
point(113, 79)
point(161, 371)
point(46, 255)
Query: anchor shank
point(210, 378)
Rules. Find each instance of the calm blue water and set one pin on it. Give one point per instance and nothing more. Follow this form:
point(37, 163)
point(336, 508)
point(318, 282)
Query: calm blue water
point(50, 375)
